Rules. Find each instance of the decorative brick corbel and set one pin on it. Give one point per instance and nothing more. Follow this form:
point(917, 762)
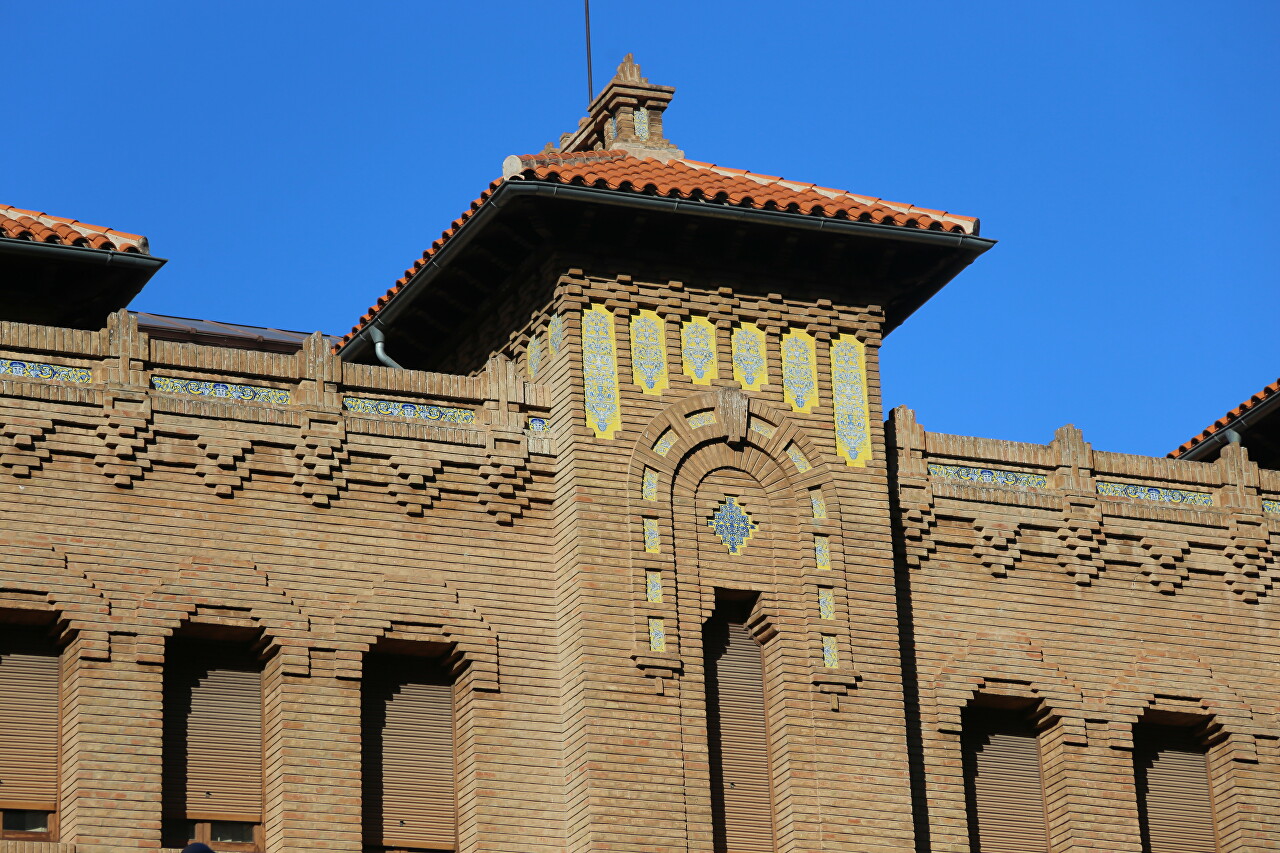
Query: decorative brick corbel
point(997, 548)
point(1081, 539)
point(321, 453)
point(126, 435)
point(917, 534)
point(1252, 562)
point(504, 493)
point(223, 467)
point(1164, 563)
point(414, 485)
point(22, 448)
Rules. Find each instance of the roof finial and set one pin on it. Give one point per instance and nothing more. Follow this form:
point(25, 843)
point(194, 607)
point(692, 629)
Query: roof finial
point(628, 71)
point(626, 116)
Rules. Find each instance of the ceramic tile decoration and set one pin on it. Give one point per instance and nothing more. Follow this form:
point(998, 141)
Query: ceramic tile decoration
point(649, 489)
point(539, 425)
point(826, 603)
point(664, 443)
point(818, 503)
point(733, 525)
point(698, 350)
point(822, 552)
point(652, 540)
point(763, 428)
point(800, 370)
point(1153, 493)
point(750, 361)
point(1270, 506)
point(798, 458)
point(830, 652)
point(653, 587)
point(988, 475)
point(849, 399)
point(398, 409)
point(640, 120)
point(657, 636)
point(555, 334)
point(700, 419)
point(533, 356)
point(40, 370)
point(222, 390)
point(600, 372)
point(649, 352)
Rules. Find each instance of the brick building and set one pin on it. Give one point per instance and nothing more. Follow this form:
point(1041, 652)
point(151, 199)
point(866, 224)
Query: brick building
point(592, 535)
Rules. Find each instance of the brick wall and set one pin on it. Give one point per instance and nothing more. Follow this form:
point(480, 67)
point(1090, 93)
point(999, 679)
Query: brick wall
point(1033, 572)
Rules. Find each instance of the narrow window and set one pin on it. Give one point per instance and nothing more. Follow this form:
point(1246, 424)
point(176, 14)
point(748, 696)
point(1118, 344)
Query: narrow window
point(29, 716)
point(409, 791)
point(1003, 784)
point(1175, 806)
point(213, 745)
point(741, 784)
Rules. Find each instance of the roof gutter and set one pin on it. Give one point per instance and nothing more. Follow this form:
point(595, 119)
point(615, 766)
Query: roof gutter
point(1230, 432)
point(516, 187)
point(130, 261)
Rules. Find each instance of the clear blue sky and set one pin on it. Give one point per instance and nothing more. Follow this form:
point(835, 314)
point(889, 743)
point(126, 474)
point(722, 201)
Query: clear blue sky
point(291, 159)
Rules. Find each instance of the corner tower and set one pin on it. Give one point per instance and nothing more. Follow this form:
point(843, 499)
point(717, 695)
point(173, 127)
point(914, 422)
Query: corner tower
point(708, 338)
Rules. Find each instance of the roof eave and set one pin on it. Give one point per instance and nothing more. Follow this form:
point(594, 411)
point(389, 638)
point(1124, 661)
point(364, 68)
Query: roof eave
point(967, 246)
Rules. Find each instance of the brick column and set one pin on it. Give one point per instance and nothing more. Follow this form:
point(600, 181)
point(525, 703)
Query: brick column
point(111, 745)
point(311, 756)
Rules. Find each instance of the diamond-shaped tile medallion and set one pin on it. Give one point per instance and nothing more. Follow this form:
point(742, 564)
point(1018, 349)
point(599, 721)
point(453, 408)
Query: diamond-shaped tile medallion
point(732, 524)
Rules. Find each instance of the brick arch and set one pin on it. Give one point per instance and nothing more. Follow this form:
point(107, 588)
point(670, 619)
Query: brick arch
point(733, 410)
point(415, 610)
point(1004, 665)
point(695, 453)
point(1163, 681)
point(38, 576)
point(228, 592)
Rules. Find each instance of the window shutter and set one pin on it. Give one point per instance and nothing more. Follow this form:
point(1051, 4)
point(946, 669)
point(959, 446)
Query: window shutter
point(28, 725)
point(1005, 789)
point(214, 740)
point(1174, 798)
point(738, 738)
point(410, 798)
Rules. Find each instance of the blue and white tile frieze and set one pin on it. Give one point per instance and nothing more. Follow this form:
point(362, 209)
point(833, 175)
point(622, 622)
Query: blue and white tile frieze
point(40, 370)
point(222, 390)
point(419, 411)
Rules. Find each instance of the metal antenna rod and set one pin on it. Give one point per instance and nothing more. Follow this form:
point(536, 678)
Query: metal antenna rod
point(591, 89)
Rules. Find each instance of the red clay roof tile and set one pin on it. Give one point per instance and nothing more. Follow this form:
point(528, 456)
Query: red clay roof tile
point(688, 179)
point(1229, 418)
point(19, 224)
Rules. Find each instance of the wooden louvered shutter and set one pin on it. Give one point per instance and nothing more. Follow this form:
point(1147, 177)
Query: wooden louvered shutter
point(214, 748)
point(29, 713)
point(1174, 799)
point(738, 739)
point(410, 796)
point(1005, 788)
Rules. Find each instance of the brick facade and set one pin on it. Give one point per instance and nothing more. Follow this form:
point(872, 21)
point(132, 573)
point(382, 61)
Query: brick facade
point(543, 511)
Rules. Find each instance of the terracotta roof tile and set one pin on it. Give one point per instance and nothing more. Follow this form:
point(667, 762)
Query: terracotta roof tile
point(690, 179)
point(1229, 418)
point(19, 224)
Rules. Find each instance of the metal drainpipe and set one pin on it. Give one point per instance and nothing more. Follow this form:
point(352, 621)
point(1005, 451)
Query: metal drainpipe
point(380, 347)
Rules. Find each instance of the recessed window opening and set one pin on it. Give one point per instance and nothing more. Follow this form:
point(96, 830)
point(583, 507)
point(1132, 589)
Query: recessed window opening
point(212, 763)
point(1004, 786)
point(409, 788)
point(1174, 786)
point(737, 731)
point(30, 720)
